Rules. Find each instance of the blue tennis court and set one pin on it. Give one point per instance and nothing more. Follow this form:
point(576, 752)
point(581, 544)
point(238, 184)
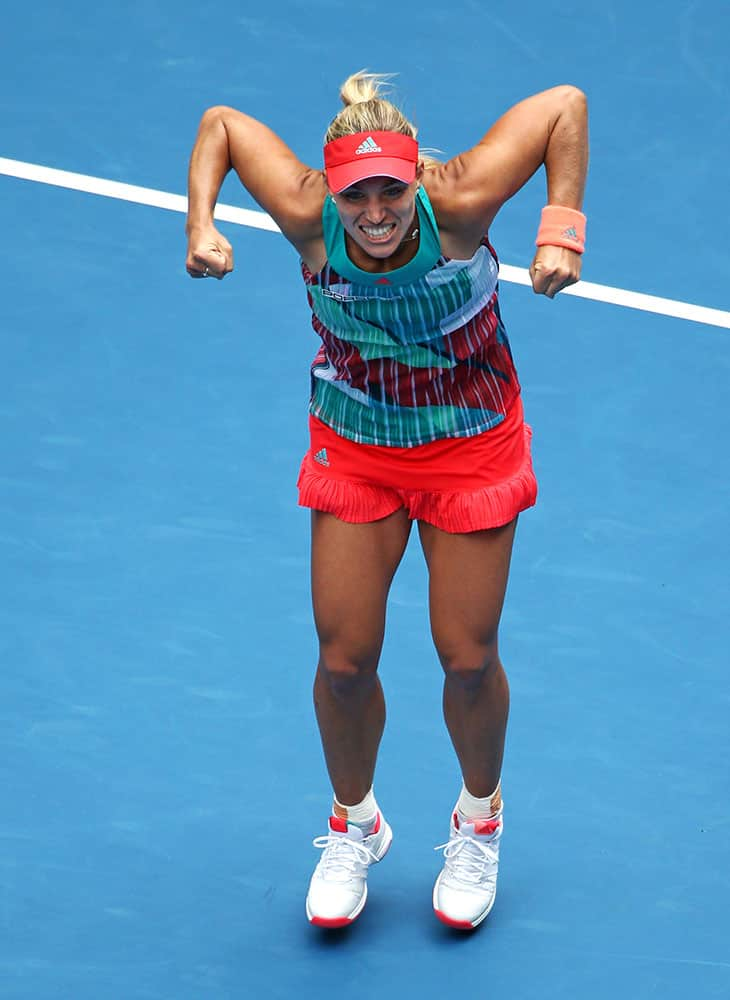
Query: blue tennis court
point(162, 775)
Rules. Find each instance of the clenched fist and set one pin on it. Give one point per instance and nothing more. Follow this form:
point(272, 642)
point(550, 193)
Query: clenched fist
point(553, 269)
point(209, 253)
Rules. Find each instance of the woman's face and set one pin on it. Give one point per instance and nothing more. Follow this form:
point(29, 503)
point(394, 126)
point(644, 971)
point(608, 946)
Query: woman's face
point(378, 213)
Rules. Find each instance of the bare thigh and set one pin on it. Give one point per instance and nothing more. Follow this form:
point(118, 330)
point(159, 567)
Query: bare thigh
point(352, 568)
point(467, 583)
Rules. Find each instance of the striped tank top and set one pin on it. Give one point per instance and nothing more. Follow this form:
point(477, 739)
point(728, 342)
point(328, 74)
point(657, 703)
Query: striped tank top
point(413, 355)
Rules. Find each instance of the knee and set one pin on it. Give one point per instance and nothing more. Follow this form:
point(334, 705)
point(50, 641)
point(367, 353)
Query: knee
point(348, 675)
point(470, 665)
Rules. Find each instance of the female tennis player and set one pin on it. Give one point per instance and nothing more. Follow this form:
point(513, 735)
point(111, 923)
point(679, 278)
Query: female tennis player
point(415, 415)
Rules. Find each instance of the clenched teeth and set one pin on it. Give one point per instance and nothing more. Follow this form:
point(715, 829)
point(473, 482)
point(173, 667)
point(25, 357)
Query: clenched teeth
point(378, 230)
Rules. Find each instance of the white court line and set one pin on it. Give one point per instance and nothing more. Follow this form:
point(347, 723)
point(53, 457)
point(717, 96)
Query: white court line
point(259, 220)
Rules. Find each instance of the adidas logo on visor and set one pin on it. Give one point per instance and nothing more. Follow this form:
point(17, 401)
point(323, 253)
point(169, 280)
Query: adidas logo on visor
point(368, 146)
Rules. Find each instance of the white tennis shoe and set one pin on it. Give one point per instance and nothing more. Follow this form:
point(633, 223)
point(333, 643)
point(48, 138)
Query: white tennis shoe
point(338, 888)
point(466, 888)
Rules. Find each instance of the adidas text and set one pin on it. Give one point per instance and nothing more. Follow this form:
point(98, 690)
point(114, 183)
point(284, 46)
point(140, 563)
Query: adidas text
point(369, 145)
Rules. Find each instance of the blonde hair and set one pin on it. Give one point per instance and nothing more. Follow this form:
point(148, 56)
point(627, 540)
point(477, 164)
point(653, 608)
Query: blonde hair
point(366, 110)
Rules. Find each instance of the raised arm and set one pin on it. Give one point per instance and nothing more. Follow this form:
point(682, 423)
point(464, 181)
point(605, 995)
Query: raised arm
point(550, 130)
point(283, 186)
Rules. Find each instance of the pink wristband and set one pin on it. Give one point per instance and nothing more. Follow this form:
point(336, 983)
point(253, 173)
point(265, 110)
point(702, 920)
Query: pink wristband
point(562, 227)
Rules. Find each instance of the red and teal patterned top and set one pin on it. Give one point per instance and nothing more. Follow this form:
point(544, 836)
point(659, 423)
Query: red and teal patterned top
point(414, 355)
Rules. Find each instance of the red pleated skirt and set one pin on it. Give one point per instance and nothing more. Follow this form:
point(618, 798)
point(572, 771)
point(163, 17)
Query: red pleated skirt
point(456, 484)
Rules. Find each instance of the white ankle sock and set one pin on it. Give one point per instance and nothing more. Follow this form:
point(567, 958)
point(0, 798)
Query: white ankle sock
point(362, 814)
point(470, 807)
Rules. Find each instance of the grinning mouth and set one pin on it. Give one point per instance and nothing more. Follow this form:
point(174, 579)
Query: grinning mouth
point(379, 232)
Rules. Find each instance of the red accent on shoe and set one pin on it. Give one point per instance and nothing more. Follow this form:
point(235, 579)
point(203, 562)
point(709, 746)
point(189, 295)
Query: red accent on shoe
point(376, 827)
point(456, 820)
point(331, 921)
point(462, 925)
point(485, 826)
point(338, 825)
point(382, 281)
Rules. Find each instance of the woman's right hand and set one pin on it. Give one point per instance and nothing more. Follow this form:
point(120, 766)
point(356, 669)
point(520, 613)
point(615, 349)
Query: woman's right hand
point(209, 253)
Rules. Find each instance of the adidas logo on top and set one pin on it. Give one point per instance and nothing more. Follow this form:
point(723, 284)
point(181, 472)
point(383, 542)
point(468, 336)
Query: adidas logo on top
point(369, 145)
point(321, 457)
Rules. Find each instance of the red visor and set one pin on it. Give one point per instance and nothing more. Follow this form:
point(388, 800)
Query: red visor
point(370, 154)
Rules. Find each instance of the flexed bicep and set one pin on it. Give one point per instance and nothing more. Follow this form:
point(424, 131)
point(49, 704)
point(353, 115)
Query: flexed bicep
point(276, 178)
point(547, 129)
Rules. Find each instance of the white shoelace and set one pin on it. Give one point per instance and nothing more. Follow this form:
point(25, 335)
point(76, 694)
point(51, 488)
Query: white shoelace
point(468, 860)
point(343, 858)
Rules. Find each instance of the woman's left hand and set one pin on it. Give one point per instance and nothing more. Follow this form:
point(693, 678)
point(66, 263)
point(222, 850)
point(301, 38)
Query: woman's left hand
point(553, 269)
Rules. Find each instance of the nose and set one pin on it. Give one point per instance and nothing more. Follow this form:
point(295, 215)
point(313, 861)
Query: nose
point(375, 209)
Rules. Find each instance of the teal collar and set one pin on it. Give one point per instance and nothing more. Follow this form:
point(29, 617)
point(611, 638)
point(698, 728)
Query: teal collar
point(429, 247)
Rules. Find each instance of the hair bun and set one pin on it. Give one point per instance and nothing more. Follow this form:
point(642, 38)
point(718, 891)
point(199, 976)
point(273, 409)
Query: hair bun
point(363, 86)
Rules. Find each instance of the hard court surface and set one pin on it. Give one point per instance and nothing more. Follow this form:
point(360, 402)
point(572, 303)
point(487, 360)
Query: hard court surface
point(160, 768)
